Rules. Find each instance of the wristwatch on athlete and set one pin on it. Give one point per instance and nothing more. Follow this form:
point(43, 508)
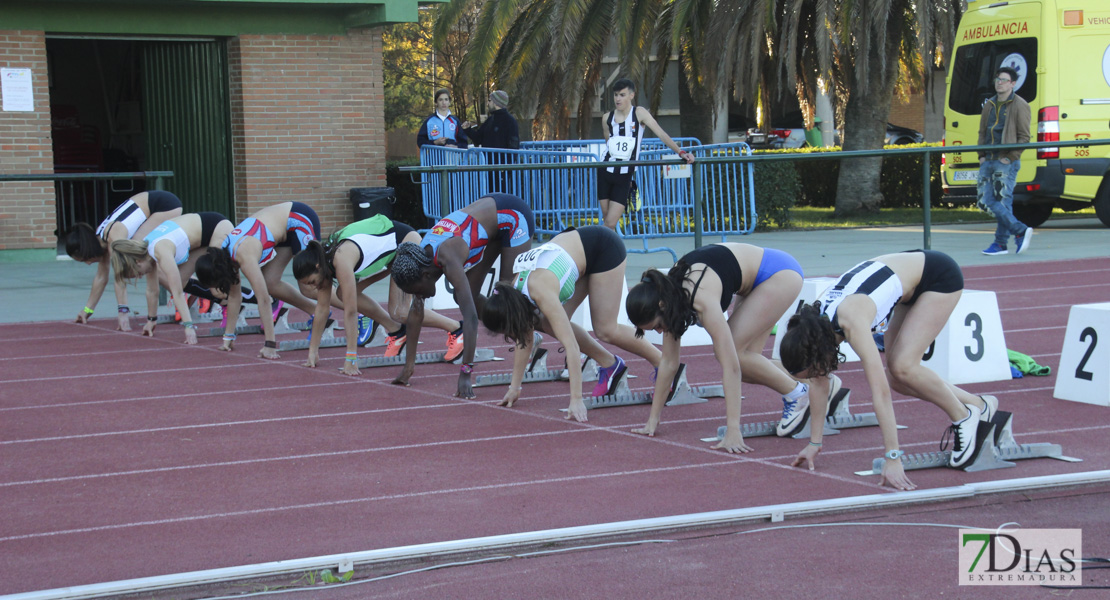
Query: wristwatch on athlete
point(893, 454)
point(467, 368)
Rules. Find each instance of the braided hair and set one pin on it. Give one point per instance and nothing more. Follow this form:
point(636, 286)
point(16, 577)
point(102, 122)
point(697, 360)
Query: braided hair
point(215, 269)
point(663, 296)
point(810, 343)
point(409, 263)
point(509, 312)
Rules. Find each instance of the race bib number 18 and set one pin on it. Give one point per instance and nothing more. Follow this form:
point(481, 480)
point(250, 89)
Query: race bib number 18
point(621, 146)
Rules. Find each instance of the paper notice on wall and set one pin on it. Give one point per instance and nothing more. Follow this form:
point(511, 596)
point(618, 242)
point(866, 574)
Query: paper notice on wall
point(17, 91)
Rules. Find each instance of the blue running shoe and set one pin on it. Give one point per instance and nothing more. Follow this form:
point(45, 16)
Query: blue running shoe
point(366, 329)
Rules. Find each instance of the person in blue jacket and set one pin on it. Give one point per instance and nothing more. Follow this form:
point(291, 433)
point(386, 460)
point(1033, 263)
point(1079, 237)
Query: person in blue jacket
point(442, 128)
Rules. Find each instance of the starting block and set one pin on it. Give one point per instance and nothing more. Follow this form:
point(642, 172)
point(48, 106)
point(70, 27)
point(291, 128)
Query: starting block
point(537, 370)
point(422, 358)
point(681, 393)
point(281, 327)
point(327, 340)
point(1084, 373)
point(996, 449)
point(840, 417)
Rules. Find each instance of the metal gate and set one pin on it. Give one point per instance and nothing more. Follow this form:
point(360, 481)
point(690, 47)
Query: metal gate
point(186, 117)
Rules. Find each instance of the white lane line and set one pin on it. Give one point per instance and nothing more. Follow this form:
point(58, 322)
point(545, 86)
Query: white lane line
point(227, 424)
point(254, 461)
point(129, 373)
point(335, 503)
point(177, 396)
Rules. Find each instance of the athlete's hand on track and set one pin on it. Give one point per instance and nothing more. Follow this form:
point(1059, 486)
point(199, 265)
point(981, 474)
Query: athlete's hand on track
point(733, 442)
point(464, 391)
point(649, 429)
point(268, 353)
point(577, 409)
point(124, 322)
point(350, 368)
point(806, 457)
point(82, 317)
point(894, 475)
point(403, 377)
point(190, 336)
point(148, 329)
point(511, 396)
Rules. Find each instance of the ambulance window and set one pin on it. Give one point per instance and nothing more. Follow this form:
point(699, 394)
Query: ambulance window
point(973, 71)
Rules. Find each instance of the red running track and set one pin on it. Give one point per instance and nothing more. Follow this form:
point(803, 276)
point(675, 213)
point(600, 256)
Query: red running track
point(129, 457)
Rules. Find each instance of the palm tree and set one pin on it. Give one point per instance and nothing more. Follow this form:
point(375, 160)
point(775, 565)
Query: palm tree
point(861, 46)
point(548, 55)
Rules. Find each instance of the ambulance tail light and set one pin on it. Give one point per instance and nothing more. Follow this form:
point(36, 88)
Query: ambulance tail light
point(1048, 130)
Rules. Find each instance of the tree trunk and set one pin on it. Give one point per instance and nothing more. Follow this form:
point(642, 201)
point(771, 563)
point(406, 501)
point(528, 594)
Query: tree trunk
point(696, 113)
point(865, 119)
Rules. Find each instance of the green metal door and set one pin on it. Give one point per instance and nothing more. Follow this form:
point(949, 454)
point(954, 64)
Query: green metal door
point(186, 119)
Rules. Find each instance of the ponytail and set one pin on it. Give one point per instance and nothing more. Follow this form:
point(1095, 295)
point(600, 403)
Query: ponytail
point(659, 295)
point(314, 259)
point(215, 269)
point(83, 244)
point(126, 256)
point(810, 343)
point(510, 313)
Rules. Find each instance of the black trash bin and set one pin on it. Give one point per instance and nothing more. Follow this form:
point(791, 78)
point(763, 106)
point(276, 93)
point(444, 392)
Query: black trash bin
point(368, 202)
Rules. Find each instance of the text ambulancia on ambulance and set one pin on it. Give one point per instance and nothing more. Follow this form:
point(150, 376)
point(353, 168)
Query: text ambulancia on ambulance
point(1061, 52)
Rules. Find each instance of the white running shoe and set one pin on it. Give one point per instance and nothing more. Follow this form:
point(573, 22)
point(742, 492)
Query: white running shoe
point(795, 413)
point(992, 407)
point(963, 436)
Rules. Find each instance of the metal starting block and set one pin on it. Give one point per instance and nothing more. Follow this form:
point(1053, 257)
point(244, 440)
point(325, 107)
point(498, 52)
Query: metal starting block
point(995, 449)
point(327, 340)
point(840, 417)
point(281, 327)
point(681, 393)
point(537, 370)
point(422, 358)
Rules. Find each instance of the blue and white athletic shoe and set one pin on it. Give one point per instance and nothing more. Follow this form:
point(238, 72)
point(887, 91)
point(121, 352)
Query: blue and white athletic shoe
point(366, 329)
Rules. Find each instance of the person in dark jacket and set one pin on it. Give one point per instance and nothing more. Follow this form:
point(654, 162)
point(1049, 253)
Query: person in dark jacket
point(500, 130)
point(442, 128)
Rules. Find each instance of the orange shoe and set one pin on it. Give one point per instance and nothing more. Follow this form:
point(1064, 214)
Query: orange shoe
point(454, 345)
point(395, 342)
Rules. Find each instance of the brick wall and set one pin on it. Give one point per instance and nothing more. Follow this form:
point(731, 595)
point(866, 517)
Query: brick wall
point(909, 112)
point(307, 121)
point(27, 216)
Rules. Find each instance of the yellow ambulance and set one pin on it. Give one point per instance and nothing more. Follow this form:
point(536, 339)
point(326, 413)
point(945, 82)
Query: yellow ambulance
point(1061, 52)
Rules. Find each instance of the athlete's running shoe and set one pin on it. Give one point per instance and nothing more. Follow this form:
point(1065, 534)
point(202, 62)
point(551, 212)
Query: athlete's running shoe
point(366, 329)
point(278, 309)
point(223, 320)
point(963, 436)
point(609, 377)
point(395, 342)
point(992, 407)
point(204, 305)
point(795, 414)
point(454, 345)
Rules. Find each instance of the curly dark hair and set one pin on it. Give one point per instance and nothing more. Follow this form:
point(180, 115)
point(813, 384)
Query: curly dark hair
point(409, 263)
point(315, 258)
point(810, 343)
point(216, 270)
point(663, 296)
point(83, 244)
point(510, 313)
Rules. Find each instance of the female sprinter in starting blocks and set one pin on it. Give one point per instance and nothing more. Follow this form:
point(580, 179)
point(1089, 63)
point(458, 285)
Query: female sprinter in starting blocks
point(554, 279)
point(463, 246)
point(132, 219)
point(915, 292)
point(171, 249)
point(698, 289)
point(261, 246)
point(355, 257)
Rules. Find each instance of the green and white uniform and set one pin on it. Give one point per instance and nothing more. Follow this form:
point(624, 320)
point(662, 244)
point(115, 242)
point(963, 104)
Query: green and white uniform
point(553, 258)
point(377, 239)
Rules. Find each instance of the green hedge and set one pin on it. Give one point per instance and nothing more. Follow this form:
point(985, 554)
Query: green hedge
point(900, 182)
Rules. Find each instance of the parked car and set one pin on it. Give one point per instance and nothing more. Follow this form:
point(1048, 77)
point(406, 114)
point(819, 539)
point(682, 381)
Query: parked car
point(896, 135)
